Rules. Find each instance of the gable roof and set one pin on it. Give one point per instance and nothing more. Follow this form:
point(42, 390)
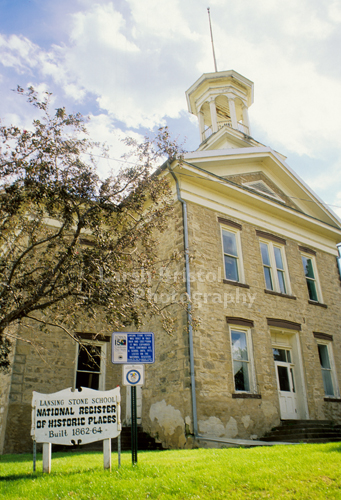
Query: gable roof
point(223, 163)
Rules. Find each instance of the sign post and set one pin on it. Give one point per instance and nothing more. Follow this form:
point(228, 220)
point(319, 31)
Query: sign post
point(133, 375)
point(34, 455)
point(133, 350)
point(133, 426)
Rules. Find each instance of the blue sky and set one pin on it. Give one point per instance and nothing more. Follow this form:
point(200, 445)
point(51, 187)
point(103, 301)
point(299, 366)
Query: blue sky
point(128, 63)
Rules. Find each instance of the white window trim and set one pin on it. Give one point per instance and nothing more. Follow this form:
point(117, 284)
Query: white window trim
point(240, 265)
point(252, 373)
point(329, 345)
point(317, 280)
point(271, 245)
point(103, 346)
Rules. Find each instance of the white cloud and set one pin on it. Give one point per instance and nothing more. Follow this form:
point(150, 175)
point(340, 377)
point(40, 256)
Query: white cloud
point(103, 24)
point(327, 181)
point(162, 19)
point(334, 11)
point(136, 59)
point(17, 51)
point(130, 79)
point(101, 130)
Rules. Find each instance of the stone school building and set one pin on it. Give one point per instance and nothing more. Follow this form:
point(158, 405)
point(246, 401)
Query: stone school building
point(261, 342)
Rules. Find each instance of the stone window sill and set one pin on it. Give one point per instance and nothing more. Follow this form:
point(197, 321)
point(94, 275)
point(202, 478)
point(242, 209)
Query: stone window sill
point(278, 294)
point(314, 303)
point(333, 400)
point(236, 283)
point(245, 395)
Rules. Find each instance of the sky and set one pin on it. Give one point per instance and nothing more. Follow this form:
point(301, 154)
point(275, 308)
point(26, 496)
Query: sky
point(128, 63)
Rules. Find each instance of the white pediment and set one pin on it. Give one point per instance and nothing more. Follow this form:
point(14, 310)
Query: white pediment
point(284, 184)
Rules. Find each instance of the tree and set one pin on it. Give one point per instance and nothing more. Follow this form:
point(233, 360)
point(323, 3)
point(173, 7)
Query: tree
point(72, 244)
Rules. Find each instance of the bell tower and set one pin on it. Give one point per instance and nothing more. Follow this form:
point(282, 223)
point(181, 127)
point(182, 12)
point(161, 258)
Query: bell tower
point(221, 101)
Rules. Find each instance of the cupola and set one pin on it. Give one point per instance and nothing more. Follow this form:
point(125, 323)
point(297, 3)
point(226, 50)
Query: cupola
point(221, 100)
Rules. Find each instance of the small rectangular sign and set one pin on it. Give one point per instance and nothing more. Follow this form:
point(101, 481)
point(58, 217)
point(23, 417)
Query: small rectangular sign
point(76, 417)
point(133, 348)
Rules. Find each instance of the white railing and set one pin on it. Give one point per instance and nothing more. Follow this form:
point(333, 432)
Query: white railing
point(243, 128)
point(228, 123)
point(207, 133)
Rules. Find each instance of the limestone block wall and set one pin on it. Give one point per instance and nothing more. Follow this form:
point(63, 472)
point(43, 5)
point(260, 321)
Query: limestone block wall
point(166, 392)
point(222, 412)
point(167, 410)
point(46, 364)
point(5, 387)
point(217, 406)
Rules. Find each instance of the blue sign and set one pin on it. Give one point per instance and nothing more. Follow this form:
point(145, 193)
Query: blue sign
point(133, 348)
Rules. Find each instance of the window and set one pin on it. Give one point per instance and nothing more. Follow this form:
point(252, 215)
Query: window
point(90, 366)
point(310, 273)
point(326, 367)
point(274, 266)
point(232, 255)
point(242, 360)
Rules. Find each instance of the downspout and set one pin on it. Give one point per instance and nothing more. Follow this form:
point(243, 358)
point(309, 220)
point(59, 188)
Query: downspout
point(339, 258)
point(189, 308)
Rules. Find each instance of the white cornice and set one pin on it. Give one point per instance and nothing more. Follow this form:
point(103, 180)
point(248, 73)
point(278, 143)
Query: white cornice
point(228, 153)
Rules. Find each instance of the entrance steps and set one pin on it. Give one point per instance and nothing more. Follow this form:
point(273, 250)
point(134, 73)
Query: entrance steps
point(144, 441)
point(305, 431)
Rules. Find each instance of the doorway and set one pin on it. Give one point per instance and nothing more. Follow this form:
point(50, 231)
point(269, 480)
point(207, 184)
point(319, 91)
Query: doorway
point(288, 363)
point(285, 383)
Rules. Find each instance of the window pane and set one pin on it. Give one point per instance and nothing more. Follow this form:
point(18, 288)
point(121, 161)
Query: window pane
point(265, 254)
point(239, 345)
point(89, 358)
point(268, 280)
point(326, 369)
point(288, 356)
point(327, 382)
point(241, 376)
point(312, 290)
point(278, 258)
point(90, 380)
point(229, 243)
point(292, 380)
point(279, 355)
point(324, 356)
point(281, 282)
point(231, 268)
point(308, 267)
point(283, 378)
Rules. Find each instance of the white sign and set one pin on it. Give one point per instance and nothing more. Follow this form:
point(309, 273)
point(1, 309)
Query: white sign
point(76, 417)
point(133, 375)
point(120, 347)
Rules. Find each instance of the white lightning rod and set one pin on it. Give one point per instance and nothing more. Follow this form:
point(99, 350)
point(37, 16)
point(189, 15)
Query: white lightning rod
point(209, 20)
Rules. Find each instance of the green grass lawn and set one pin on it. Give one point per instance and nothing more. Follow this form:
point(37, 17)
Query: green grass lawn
point(306, 471)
